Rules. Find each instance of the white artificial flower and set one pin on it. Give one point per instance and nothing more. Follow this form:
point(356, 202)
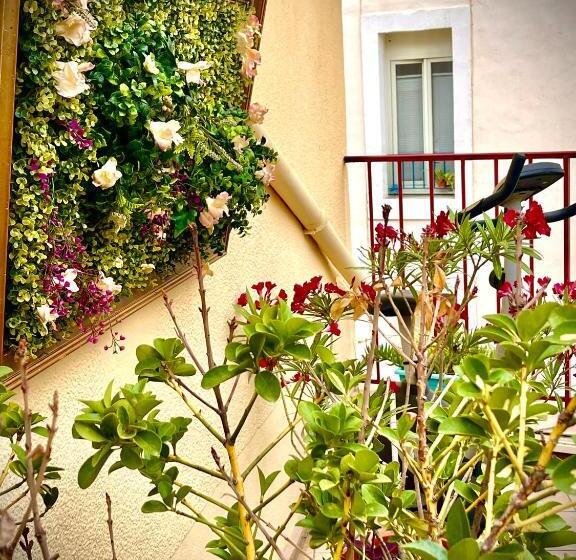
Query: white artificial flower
point(107, 175)
point(240, 143)
point(46, 314)
point(148, 268)
point(75, 30)
point(69, 78)
point(166, 133)
point(107, 284)
point(69, 280)
point(150, 64)
point(193, 70)
point(266, 173)
point(215, 209)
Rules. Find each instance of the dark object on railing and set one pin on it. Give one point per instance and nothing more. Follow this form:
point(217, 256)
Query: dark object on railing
point(560, 215)
point(536, 177)
point(503, 190)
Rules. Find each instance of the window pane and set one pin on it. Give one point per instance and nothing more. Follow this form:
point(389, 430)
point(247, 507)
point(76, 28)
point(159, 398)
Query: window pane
point(442, 107)
point(410, 115)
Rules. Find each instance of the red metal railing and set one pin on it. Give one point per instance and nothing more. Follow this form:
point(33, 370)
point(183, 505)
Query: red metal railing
point(399, 181)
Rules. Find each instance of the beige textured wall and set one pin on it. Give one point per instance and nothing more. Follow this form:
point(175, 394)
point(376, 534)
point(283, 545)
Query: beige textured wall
point(301, 80)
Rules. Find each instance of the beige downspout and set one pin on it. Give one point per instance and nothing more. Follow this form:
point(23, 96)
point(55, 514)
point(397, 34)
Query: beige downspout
point(314, 220)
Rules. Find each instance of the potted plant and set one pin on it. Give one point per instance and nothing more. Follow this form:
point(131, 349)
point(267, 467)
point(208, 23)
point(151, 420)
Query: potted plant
point(444, 179)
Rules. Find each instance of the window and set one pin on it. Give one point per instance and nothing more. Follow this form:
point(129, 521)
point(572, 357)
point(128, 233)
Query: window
point(423, 119)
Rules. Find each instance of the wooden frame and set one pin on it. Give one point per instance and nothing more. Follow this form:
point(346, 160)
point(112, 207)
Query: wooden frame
point(9, 21)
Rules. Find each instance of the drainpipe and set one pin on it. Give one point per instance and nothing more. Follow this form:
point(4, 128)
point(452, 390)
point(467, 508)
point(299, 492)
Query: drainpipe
point(313, 219)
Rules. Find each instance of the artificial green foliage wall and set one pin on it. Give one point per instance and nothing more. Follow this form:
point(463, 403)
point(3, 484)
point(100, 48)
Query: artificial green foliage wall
point(81, 238)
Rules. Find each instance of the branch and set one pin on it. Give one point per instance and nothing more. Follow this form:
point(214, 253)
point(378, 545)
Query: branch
point(110, 529)
point(34, 484)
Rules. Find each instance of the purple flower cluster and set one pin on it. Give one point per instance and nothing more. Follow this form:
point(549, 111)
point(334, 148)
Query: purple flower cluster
point(42, 176)
point(155, 227)
point(77, 134)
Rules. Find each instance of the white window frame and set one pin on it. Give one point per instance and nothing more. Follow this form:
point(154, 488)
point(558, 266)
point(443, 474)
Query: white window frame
point(417, 187)
point(374, 92)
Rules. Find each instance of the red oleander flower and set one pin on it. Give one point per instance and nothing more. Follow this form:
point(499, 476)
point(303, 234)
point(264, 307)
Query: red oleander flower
point(267, 363)
point(242, 300)
point(384, 234)
point(333, 328)
point(303, 291)
point(282, 294)
point(511, 218)
point(535, 222)
point(440, 226)
point(368, 291)
point(331, 288)
point(505, 290)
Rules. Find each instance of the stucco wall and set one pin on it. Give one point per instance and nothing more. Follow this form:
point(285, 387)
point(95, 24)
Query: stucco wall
point(301, 80)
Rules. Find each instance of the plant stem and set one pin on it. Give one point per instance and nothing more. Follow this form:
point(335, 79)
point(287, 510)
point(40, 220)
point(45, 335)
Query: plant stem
point(242, 421)
point(238, 484)
point(542, 515)
point(520, 498)
point(369, 367)
point(522, 419)
point(270, 446)
point(110, 523)
point(199, 468)
point(35, 483)
point(195, 412)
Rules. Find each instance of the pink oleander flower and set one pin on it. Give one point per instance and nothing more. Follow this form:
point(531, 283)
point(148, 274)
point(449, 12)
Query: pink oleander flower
point(256, 113)
point(266, 172)
point(214, 210)
point(240, 143)
point(251, 59)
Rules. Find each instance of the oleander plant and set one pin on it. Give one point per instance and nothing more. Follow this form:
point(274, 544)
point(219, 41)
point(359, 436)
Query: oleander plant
point(130, 127)
point(457, 470)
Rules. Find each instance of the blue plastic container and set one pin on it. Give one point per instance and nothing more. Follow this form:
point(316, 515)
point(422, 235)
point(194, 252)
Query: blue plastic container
point(433, 380)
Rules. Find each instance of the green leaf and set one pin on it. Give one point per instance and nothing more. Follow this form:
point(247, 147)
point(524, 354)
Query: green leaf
point(502, 321)
point(147, 352)
point(89, 432)
point(325, 354)
point(564, 475)
point(564, 333)
point(299, 351)
point(130, 458)
point(183, 369)
point(154, 506)
point(457, 524)
point(427, 550)
point(366, 461)
point(267, 385)
point(218, 375)
point(531, 321)
point(149, 442)
point(466, 549)
point(462, 426)
point(89, 471)
point(5, 371)
point(558, 538)
point(465, 490)
point(332, 510)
